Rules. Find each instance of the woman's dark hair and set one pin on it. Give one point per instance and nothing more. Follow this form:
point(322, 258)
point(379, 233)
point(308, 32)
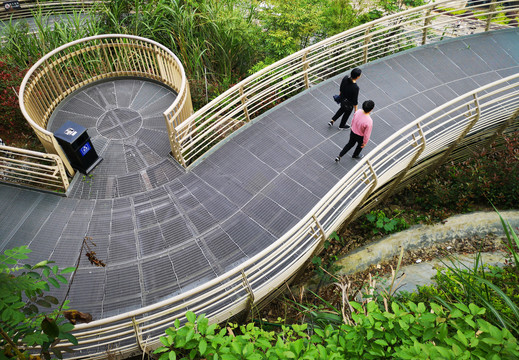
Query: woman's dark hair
point(355, 73)
point(368, 105)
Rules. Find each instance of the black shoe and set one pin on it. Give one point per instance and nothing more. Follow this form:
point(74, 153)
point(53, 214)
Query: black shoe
point(344, 127)
point(330, 124)
point(337, 159)
point(358, 156)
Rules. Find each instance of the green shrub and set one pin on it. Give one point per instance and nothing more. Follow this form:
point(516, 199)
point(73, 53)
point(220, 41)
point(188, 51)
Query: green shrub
point(13, 125)
point(24, 325)
point(415, 331)
point(489, 174)
point(380, 223)
point(455, 285)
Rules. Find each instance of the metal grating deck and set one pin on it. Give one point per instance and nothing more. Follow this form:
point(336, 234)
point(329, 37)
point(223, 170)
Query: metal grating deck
point(162, 231)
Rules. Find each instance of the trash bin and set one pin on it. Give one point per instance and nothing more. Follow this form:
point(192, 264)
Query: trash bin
point(76, 144)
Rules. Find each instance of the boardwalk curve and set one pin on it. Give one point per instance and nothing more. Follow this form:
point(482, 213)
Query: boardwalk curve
point(247, 216)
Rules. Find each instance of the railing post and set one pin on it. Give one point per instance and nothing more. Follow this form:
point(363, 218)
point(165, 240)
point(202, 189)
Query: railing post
point(305, 71)
point(409, 165)
point(162, 67)
point(244, 103)
point(321, 238)
point(370, 191)
point(176, 149)
point(491, 9)
point(426, 23)
point(367, 39)
point(62, 172)
point(451, 148)
point(138, 336)
point(59, 151)
point(250, 300)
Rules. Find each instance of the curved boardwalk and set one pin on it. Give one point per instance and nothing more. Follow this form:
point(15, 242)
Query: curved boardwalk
point(162, 230)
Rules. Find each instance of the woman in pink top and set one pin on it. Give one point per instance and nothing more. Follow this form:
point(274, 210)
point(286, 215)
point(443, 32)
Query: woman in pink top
point(361, 126)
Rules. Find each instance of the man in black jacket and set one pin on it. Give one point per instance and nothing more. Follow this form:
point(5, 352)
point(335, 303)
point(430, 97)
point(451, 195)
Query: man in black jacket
point(349, 98)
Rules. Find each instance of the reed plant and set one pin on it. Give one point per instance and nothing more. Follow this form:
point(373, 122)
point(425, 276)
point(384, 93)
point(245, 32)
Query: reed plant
point(216, 41)
point(25, 45)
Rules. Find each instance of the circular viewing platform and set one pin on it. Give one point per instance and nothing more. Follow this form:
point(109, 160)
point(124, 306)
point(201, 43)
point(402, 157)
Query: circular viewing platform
point(125, 121)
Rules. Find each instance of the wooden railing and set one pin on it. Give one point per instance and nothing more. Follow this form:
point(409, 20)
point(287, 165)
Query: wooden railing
point(477, 116)
point(34, 169)
point(98, 58)
point(333, 56)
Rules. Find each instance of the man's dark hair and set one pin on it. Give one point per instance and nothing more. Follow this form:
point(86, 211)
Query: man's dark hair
point(368, 105)
point(355, 73)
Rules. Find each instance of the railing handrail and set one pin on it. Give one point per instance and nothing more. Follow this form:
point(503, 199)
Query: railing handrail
point(301, 52)
point(58, 168)
point(73, 43)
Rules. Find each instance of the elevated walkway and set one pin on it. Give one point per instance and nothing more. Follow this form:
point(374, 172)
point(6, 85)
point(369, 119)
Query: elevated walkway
point(162, 230)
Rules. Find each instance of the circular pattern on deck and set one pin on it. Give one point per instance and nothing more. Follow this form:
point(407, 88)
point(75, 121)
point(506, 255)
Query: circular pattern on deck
point(124, 119)
point(119, 124)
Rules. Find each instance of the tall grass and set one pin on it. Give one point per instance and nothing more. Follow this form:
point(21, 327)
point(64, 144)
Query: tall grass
point(25, 45)
point(215, 40)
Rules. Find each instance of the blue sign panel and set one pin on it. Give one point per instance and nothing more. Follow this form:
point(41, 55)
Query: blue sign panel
point(86, 148)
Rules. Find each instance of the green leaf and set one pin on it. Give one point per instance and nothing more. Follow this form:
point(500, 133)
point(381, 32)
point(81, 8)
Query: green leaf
point(24, 250)
point(190, 334)
point(51, 299)
point(50, 328)
point(191, 317)
point(421, 308)
point(66, 327)
point(236, 347)
point(33, 275)
point(55, 269)
point(57, 353)
point(381, 342)
point(172, 355)
point(289, 355)
point(202, 347)
point(41, 264)
point(69, 337)
point(462, 307)
point(53, 282)
point(68, 270)
point(160, 349)
point(62, 279)
point(211, 329)
point(462, 338)
point(43, 303)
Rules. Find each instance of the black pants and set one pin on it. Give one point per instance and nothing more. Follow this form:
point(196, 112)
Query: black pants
point(354, 139)
point(345, 110)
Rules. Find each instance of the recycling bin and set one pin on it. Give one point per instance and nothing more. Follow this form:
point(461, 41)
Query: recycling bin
point(76, 144)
